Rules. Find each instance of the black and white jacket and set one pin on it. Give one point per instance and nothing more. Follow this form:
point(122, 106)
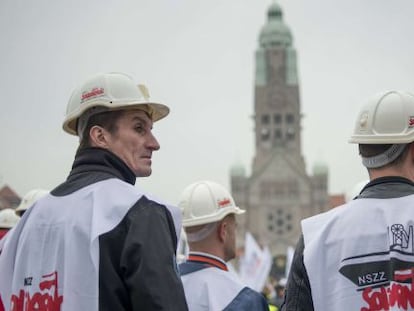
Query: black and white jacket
point(357, 254)
point(96, 242)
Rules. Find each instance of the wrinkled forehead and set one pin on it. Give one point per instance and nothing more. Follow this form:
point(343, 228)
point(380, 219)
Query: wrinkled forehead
point(138, 115)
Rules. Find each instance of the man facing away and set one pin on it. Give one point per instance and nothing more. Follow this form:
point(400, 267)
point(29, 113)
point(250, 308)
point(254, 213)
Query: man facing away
point(360, 256)
point(209, 221)
point(96, 242)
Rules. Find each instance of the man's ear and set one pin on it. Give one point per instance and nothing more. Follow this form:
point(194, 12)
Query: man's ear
point(98, 136)
point(410, 153)
point(222, 231)
point(411, 146)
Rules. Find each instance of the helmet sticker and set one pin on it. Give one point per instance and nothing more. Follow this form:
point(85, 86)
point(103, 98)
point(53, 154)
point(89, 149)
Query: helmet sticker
point(95, 92)
point(223, 203)
point(411, 122)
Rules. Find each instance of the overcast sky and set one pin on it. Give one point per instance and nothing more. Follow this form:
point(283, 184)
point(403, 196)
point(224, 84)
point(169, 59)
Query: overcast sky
point(198, 58)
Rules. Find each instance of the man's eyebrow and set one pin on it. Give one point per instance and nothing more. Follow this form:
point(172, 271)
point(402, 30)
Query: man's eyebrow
point(143, 120)
point(139, 118)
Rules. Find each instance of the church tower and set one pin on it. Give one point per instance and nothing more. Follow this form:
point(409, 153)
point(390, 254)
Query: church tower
point(277, 103)
point(279, 192)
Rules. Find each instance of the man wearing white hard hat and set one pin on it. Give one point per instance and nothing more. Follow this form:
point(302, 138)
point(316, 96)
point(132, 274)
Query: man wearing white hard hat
point(97, 242)
point(360, 256)
point(209, 220)
point(29, 199)
point(8, 219)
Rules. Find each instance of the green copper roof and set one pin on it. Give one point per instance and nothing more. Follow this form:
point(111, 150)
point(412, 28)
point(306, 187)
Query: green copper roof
point(320, 168)
point(274, 10)
point(238, 170)
point(275, 32)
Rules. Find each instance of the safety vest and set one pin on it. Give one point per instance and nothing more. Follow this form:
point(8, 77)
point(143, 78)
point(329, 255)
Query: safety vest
point(209, 286)
point(360, 256)
point(63, 271)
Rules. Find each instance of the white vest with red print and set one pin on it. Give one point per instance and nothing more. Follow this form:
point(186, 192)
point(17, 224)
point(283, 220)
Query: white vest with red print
point(63, 273)
point(210, 286)
point(360, 256)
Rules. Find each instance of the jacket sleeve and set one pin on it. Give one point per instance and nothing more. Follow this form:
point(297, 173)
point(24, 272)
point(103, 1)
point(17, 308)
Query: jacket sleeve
point(248, 300)
point(298, 295)
point(148, 260)
point(140, 255)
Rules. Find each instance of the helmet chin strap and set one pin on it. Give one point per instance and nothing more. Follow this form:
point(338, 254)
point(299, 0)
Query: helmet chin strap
point(384, 158)
point(202, 233)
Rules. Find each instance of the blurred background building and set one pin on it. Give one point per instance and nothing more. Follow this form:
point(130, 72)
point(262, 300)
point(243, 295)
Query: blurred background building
point(8, 198)
point(279, 192)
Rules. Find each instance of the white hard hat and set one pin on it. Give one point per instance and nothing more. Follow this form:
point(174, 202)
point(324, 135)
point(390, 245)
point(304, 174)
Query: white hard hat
point(283, 282)
point(387, 118)
point(8, 218)
point(29, 198)
point(205, 202)
point(110, 91)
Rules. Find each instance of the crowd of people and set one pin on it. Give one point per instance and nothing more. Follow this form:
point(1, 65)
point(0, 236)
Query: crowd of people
point(9, 216)
point(99, 242)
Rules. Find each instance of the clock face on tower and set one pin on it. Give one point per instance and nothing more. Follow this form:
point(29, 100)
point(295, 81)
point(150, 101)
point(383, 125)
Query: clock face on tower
point(280, 221)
